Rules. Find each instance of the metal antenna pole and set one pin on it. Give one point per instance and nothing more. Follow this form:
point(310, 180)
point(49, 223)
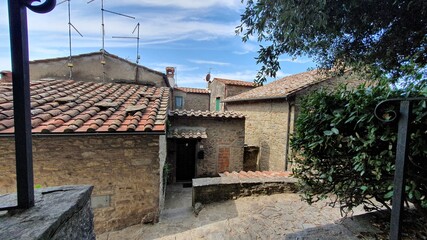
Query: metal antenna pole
point(103, 33)
point(70, 66)
point(70, 25)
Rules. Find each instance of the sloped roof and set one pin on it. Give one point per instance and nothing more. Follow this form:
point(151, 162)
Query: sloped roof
point(281, 88)
point(192, 90)
point(204, 114)
point(67, 106)
point(187, 132)
point(236, 82)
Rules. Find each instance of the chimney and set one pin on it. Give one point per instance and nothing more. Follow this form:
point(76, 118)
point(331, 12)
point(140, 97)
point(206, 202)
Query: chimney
point(170, 72)
point(6, 76)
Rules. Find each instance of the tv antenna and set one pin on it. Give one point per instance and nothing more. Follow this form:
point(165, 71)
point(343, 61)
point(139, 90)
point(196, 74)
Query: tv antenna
point(208, 76)
point(103, 32)
point(137, 41)
point(70, 26)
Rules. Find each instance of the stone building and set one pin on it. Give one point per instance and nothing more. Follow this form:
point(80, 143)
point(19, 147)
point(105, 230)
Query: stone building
point(203, 143)
point(98, 67)
point(112, 136)
point(191, 98)
point(271, 111)
point(221, 89)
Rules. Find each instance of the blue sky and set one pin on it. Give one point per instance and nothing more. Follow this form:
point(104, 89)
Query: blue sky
point(193, 36)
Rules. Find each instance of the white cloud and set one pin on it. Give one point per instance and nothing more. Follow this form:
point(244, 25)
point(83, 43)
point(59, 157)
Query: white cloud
point(208, 62)
point(245, 75)
point(178, 67)
point(247, 48)
point(5, 63)
point(156, 27)
point(295, 60)
point(185, 4)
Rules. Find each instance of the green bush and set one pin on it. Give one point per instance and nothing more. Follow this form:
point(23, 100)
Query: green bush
point(344, 151)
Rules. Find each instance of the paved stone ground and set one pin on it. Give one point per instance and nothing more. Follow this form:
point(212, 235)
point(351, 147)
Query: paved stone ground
point(279, 216)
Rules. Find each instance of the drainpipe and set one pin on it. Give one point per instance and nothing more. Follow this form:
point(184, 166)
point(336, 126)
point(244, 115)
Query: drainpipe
point(288, 135)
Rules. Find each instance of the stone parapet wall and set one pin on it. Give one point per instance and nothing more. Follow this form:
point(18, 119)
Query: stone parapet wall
point(59, 213)
point(209, 190)
point(124, 170)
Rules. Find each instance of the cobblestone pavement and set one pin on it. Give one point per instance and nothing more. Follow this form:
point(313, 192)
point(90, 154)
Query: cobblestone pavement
point(256, 217)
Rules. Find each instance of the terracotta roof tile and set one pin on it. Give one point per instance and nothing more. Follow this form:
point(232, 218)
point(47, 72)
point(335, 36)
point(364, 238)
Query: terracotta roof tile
point(280, 88)
point(206, 114)
point(193, 90)
point(257, 174)
point(71, 106)
point(187, 132)
point(236, 82)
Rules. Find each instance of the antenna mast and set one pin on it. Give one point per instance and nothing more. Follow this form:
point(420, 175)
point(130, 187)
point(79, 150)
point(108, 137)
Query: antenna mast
point(137, 49)
point(70, 25)
point(103, 33)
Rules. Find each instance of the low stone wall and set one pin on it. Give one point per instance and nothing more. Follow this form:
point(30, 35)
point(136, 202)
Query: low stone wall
point(59, 213)
point(209, 190)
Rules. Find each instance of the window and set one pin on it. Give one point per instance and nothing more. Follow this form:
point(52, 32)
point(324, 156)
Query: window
point(179, 102)
point(218, 104)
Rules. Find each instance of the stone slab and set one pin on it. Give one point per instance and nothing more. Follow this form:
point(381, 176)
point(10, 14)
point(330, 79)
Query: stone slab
point(59, 213)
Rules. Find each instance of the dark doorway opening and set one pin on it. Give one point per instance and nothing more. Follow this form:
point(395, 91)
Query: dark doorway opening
point(185, 160)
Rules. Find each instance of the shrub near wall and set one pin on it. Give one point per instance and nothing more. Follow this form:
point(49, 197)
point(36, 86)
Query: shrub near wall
point(345, 150)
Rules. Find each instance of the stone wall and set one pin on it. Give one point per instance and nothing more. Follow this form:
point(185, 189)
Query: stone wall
point(232, 90)
point(221, 90)
point(124, 170)
point(88, 67)
point(209, 190)
point(269, 121)
point(223, 147)
point(266, 127)
point(59, 213)
point(193, 101)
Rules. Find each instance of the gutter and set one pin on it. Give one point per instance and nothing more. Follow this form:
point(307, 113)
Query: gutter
point(87, 134)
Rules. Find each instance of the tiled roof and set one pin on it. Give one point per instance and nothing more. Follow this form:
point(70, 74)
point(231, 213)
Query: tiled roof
point(280, 88)
point(236, 82)
point(256, 174)
point(193, 90)
point(69, 106)
point(187, 132)
point(207, 114)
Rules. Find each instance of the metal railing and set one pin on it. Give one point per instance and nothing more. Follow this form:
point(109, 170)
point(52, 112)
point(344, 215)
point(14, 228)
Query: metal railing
point(403, 117)
point(21, 97)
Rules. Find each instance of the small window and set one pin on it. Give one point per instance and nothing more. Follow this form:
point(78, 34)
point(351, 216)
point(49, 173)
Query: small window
point(179, 102)
point(218, 104)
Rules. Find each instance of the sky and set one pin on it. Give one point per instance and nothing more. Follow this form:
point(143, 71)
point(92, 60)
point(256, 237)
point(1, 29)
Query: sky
point(195, 37)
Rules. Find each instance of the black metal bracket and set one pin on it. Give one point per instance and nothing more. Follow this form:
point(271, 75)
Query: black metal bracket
point(385, 114)
point(21, 96)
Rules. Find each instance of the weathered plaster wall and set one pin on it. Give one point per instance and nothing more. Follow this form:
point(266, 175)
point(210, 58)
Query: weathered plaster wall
point(193, 101)
point(223, 147)
point(89, 68)
point(125, 171)
point(217, 90)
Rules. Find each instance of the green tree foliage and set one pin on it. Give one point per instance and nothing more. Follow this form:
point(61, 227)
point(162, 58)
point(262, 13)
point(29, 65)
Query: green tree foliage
point(384, 34)
point(345, 151)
